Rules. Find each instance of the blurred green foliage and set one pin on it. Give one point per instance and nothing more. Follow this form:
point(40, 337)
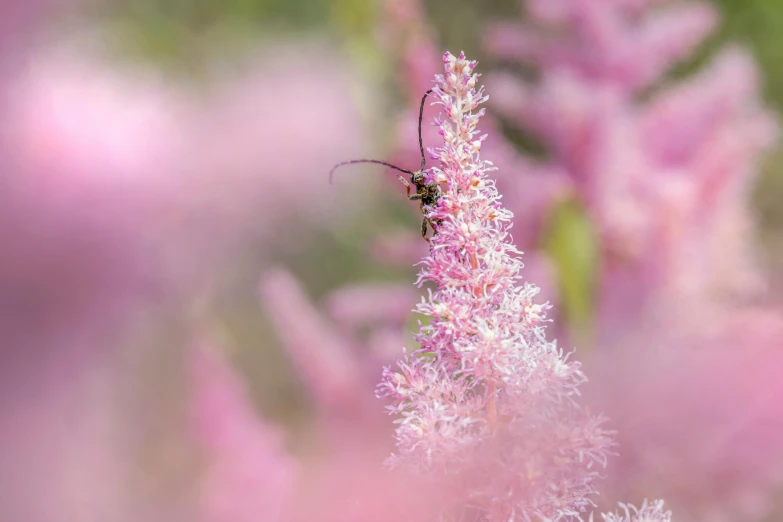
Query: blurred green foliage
point(759, 25)
point(183, 30)
point(571, 243)
point(182, 33)
point(176, 28)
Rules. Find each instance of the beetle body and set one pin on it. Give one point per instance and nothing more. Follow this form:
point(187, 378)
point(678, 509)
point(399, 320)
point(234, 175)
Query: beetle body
point(426, 192)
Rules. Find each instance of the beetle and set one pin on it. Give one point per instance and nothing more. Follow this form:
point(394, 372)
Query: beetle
point(427, 192)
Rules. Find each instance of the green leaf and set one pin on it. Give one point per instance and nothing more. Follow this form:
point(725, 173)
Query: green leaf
point(571, 243)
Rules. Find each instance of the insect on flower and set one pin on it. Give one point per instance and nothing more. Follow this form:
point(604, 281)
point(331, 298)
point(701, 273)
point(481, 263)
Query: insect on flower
point(428, 192)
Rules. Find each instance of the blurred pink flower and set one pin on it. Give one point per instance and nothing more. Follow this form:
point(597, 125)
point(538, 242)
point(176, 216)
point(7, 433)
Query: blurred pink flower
point(123, 194)
point(698, 417)
point(603, 40)
point(405, 30)
point(73, 272)
point(400, 248)
point(119, 184)
point(259, 159)
point(486, 397)
point(22, 23)
point(325, 360)
point(337, 365)
point(665, 179)
point(197, 174)
point(371, 304)
point(249, 476)
point(665, 182)
point(353, 486)
point(64, 444)
point(73, 145)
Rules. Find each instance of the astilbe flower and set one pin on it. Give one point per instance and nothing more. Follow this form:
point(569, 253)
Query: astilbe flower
point(486, 396)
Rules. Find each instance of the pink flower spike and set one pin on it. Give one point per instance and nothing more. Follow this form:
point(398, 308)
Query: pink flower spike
point(664, 38)
point(607, 43)
point(324, 359)
point(250, 476)
point(486, 397)
point(649, 512)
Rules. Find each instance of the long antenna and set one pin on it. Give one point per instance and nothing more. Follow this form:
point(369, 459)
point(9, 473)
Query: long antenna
point(421, 115)
point(406, 171)
point(331, 172)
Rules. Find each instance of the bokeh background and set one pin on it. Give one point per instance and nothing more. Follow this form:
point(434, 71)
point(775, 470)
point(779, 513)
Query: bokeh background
point(194, 319)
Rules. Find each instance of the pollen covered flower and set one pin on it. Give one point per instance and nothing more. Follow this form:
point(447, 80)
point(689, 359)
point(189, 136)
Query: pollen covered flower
point(486, 397)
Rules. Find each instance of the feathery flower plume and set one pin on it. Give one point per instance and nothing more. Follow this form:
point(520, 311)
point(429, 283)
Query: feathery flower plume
point(486, 397)
point(649, 512)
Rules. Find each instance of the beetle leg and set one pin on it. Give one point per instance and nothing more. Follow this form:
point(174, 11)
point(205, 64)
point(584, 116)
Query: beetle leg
point(424, 222)
point(415, 196)
point(432, 225)
point(405, 182)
